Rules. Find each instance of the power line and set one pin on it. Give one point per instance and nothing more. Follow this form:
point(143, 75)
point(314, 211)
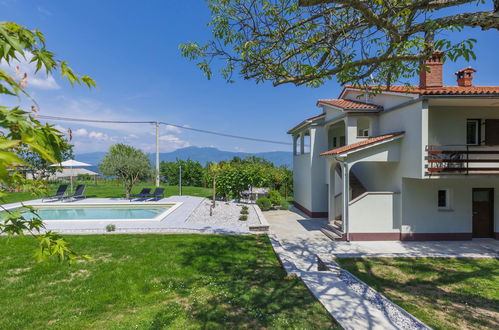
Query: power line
point(56, 118)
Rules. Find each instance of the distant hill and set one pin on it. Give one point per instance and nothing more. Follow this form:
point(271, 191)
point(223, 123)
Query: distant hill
point(202, 155)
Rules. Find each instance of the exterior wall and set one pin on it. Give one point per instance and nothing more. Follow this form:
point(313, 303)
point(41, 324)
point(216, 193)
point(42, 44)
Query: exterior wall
point(420, 213)
point(375, 215)
point(447, 125)
point(378, 176)
point(319, 187)
point(384, 100)
point(301, 180)
point(412, 119)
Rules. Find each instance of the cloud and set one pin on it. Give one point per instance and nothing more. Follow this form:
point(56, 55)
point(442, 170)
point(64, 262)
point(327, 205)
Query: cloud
point(80, 132)
point(44, 11)
point(37, 80)
point(98, 135)
point(172, 129)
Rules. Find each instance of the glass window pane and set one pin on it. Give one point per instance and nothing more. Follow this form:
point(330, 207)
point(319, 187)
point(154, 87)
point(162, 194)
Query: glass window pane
point(472, 132)
point(481, 195)
point(442, 198)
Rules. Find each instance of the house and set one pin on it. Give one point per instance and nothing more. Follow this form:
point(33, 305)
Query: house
point(407, 163)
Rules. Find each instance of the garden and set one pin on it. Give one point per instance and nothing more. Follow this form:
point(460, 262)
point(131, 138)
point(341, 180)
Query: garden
point(155, 281)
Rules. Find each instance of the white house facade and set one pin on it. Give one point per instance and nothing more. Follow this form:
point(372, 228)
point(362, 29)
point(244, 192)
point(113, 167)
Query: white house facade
point(407, 163)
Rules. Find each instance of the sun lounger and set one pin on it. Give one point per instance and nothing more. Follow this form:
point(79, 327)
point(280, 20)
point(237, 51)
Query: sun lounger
point(79, 192)
point(144, 193)
point(158, 192)
point(59, 193)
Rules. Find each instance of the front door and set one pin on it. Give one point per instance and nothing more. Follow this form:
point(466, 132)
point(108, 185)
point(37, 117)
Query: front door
point(483, 212)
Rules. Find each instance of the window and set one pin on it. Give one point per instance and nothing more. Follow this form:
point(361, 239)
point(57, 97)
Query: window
point(334, 142)
point(342, 141)
point(473, 132)
point(443, 199)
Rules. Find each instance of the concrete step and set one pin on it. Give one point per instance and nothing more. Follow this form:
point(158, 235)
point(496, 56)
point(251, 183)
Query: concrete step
point(330, 234)
point(334, 228)
point(338, 222)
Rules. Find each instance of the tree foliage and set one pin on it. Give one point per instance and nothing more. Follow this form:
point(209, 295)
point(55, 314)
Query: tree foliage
point(21, 133)
point(193, 173)
point(39, 167)
point(360, 42)
point(130, 165)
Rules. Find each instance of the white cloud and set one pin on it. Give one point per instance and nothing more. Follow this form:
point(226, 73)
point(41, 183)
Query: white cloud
point(38, 80)
point(172, 129)
point(98, 135)
point(80, 132)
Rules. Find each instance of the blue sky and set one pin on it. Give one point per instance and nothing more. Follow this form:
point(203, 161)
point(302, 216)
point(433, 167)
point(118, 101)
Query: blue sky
point(131, 49)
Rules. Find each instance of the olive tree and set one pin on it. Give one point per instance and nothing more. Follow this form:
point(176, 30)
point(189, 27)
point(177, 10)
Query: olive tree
point(21, 132)
point(357, 41)
point(130, 165)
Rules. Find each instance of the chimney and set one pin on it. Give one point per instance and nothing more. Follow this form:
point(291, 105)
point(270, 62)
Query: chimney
point(465, 77)
point(433, 77)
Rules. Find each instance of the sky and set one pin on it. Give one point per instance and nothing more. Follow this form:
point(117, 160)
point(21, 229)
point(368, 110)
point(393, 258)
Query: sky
point(131, 50)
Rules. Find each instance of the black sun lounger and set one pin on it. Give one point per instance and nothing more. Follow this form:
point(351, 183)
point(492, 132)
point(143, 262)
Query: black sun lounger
point(158, 192)
point(144, 193)
point(79, 192)
point(59, 193)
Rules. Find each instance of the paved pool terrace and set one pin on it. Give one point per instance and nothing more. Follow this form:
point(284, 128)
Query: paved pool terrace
point(174, 222)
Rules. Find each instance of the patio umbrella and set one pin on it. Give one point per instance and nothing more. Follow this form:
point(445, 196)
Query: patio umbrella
point(71, 163)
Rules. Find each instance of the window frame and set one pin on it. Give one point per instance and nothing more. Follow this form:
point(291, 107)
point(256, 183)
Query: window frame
point(478, 133)
point(448, 200)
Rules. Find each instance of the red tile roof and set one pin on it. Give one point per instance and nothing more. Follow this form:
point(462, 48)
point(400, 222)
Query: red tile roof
point(349, 104)
point(445, 90)
point(363, 143)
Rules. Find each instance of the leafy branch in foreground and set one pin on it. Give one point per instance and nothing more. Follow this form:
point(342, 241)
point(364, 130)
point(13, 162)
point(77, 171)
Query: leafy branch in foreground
point(357, 41)
point(21, 133)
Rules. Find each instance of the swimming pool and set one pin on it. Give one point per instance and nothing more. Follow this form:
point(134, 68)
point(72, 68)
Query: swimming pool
point(101, 212)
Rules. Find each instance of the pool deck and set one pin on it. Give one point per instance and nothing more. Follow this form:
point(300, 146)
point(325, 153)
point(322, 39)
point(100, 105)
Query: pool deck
point(175, 222)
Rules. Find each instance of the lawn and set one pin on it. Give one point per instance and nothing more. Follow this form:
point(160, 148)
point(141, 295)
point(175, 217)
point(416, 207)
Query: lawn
point(443, 293)
point(112, 189)
point(154, 282)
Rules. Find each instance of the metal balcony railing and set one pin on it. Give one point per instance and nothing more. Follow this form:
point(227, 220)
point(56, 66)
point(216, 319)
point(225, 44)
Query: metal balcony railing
point(462, 159)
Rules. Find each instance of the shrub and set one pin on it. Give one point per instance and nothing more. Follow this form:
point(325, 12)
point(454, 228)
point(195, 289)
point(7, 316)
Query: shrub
point(243, 217)
point(264, 204)
point(245, 207)
point(243, 211)
point(284, 205)
point(110, 228)
point(275, 197)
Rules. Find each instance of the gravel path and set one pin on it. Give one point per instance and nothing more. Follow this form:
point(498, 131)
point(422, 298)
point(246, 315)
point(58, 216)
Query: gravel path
point(225, 214)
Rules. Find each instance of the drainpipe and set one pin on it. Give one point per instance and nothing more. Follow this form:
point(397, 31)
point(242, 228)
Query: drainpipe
point(346, 196)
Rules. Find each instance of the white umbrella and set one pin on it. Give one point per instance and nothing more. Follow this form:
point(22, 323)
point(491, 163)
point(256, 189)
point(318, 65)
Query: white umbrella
point(71, 163)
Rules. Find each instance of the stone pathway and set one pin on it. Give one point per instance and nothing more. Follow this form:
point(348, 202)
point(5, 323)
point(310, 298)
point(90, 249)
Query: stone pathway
point(298, 241)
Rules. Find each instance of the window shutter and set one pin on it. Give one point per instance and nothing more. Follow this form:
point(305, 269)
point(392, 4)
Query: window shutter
point(492, 132)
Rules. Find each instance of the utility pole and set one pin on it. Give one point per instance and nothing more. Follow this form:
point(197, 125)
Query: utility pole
point(180, 180)
point(157, 154)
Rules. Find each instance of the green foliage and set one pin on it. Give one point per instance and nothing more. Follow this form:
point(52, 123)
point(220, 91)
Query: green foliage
point(24, 141)
point(237, 175)
point(313, 41)
point(243, 218)
point(244, 211)
point(275, 197)
point(40, 168)
point(130, 165)
point(264, 204)
point(284, 204)
point(110, 228)
point(193, 173)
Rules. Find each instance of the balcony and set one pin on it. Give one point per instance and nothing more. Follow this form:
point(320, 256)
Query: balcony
point(462, 159)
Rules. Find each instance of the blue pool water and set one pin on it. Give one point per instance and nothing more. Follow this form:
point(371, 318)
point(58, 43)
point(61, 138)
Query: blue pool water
point(98, 213)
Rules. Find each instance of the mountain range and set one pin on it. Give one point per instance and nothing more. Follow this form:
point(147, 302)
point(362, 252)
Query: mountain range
point(200, 154)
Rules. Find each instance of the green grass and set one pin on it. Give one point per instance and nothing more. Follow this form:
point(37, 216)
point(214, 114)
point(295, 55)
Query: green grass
point(443, 293)
point(110, 190)
point(154, 282)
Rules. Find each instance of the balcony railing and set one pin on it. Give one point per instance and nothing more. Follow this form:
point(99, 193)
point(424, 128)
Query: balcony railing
point(462, 159)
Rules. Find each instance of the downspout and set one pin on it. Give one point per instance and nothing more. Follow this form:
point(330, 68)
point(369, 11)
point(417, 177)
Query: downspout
point(346, 196)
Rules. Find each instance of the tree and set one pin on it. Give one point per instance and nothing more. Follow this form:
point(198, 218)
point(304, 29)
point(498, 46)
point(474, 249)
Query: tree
point(360, 42)
point(40, 168)
point(193, 172)
point(130, 165)
point(20, 131)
